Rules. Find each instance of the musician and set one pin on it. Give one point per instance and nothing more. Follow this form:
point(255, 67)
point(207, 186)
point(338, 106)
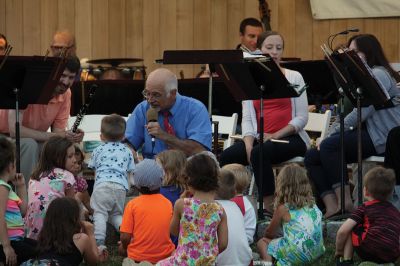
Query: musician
point(323, 164)
point(284, 119)
point(36, 119)
point(249, 30)
point(3, 44)
point(183, 122)
point(392, 160)
point(63, 40)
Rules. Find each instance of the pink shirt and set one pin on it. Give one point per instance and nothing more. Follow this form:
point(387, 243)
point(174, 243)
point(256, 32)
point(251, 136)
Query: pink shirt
point(40, 117)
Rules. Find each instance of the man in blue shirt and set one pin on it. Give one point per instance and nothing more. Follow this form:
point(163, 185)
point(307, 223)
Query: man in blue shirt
point(183, 122)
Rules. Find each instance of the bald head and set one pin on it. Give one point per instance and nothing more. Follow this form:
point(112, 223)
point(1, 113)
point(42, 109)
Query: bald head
point(63, 39)
point(163, 77)
point(161, 89)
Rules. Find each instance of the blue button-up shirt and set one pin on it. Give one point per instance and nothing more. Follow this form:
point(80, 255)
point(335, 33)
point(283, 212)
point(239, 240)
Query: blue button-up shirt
point(189, 118)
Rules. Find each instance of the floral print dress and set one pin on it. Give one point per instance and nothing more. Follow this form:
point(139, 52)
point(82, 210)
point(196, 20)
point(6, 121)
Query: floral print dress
point(41, 193)
point(198, 241)
point(302, 240)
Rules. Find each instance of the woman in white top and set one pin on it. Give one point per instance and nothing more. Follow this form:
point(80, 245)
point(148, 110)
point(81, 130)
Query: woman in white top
point(284, 119)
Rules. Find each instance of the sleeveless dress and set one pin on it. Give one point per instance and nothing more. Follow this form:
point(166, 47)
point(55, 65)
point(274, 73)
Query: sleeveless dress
point(198, 241)
point(302, 240)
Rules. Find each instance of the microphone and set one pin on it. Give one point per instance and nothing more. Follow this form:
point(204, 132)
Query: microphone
point(152, 116)
point(333, 36)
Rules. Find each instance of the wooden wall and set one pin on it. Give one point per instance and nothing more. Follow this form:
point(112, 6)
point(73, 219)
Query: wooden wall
point(144, 28)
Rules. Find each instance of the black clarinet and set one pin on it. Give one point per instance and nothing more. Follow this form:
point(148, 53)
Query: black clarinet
point(84, 108)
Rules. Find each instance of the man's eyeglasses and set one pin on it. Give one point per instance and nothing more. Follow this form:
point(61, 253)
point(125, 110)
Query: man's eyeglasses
point(55, 47)
point(149, 95)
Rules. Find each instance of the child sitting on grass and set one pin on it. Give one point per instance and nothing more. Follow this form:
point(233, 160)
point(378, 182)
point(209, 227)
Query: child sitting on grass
point(242, 180)
point(300, 218)
point(373, 229)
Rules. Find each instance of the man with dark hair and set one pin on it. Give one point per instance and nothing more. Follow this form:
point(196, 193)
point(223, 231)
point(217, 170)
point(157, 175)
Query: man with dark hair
point(36, 119)
point(3, 44)
point(249, 30)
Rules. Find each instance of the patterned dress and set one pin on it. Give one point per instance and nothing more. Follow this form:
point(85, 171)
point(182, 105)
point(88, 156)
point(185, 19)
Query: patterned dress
point(198, 242)
point(41, 193)
point(302, 240)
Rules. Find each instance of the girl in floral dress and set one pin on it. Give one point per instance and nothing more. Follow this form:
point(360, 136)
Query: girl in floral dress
point(200, 221)
point(300, 218)
point(51, 179)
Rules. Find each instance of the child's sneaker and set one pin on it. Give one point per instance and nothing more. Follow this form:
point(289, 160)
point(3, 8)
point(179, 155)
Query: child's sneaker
point(341, 262)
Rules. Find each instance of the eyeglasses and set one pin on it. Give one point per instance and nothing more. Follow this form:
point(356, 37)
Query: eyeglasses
point(149, 95)
point(55, 47)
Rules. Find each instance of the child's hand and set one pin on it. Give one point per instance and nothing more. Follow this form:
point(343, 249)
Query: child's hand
point(11, 257)
point(121, 251)
point(18, 180)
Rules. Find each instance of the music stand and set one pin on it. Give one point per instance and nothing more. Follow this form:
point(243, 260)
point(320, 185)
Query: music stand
point(257, 80)
point(317, 75)
point(210, 57)
point(358, 83)
point(27, 80)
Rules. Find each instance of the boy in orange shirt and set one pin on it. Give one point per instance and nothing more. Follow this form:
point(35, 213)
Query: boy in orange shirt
point(145, 224)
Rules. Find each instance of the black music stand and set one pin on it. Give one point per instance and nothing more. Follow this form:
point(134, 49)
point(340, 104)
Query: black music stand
point(210, 57)
point(27, 80)
point(358, 83)
point(257, 80)
point(316, 74)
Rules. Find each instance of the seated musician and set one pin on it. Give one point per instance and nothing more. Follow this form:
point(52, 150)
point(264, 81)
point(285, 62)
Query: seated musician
point(323, 163)
point(284, 119)
point(183, 122)
point(36, 119)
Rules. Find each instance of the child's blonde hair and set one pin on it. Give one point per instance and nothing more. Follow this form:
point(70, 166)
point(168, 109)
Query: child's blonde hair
point(173, 163)
point(242, 176)
point(293, 188)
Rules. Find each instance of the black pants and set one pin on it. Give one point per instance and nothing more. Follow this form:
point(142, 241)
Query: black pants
point(25, 249)
point(392, 152)
point(273, 153)
point(323, 165)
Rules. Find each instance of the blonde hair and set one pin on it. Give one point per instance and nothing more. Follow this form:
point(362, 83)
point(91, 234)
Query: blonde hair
point(242, 176)
point(173, 163)
point(293, 188)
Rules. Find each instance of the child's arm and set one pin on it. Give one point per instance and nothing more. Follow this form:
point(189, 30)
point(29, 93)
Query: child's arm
point(123, 245)
point(222, 233)
point(342, 235)
point(11, 257)
point(90, 253)
point(176, 218)
point(70, 192)
point(281, 213)
point(84, 197)
point(20, 187)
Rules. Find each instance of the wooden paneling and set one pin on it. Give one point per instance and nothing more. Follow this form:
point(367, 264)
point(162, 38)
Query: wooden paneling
point(144, 28)
point(83, 27)
point(31, 27)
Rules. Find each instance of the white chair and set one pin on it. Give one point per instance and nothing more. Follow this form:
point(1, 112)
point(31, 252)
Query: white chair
point(226, 125)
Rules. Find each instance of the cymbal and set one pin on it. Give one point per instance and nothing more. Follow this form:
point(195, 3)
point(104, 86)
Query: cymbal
point(114, 61)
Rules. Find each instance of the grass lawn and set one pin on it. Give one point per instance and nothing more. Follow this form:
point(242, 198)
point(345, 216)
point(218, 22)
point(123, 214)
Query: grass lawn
point(326, 259)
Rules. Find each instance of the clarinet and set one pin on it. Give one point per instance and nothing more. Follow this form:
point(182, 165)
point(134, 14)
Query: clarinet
point(84, 108)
